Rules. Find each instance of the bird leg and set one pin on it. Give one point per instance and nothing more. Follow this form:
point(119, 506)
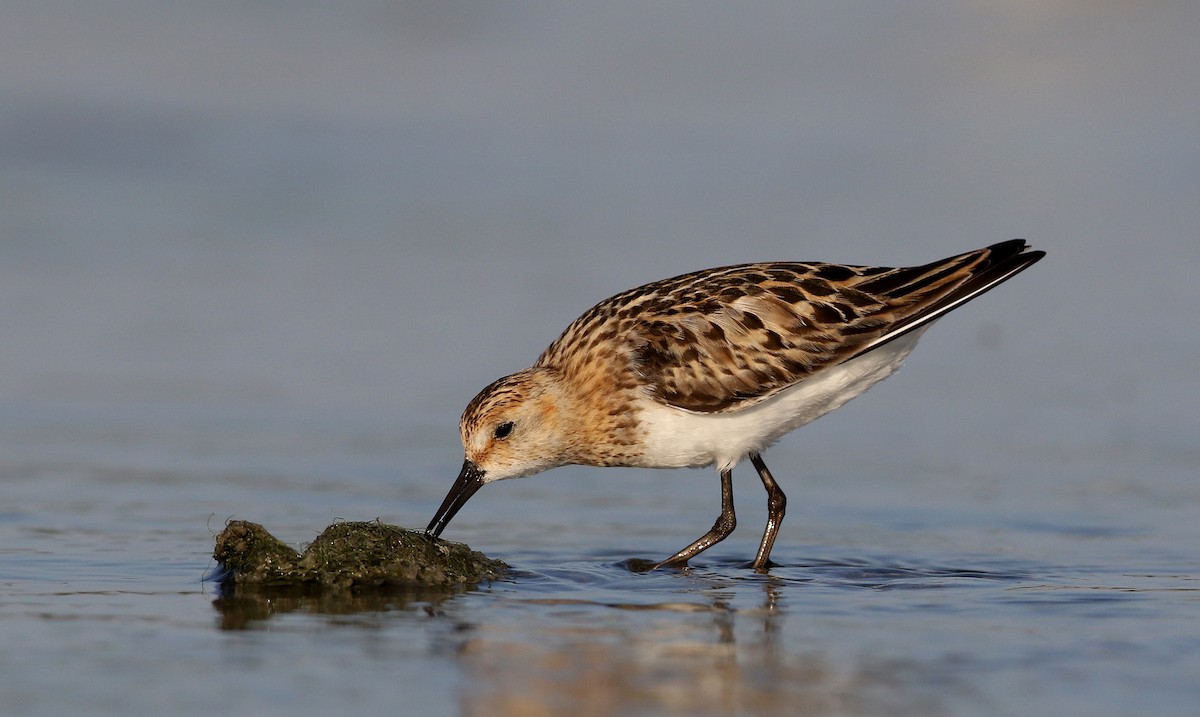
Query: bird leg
point(721, 529)
point(776, 507)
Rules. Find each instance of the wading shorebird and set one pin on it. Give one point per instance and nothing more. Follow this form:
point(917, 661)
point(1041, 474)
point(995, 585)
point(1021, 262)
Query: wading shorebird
point(710, 367)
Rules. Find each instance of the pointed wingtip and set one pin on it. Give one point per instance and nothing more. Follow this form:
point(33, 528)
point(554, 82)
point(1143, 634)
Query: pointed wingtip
point(1013, 247)
point(1005, 250)
point(996, 264)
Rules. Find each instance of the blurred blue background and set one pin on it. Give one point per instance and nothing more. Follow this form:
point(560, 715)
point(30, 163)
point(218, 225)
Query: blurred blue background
point(382, 206)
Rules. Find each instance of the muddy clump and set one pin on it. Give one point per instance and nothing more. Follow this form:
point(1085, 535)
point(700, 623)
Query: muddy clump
point(349, 555)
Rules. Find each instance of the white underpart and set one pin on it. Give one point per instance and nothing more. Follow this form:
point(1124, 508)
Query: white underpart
point(676, 438)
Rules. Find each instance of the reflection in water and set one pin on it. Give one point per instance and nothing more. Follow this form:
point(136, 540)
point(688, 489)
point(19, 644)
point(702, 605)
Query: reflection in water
point(600, 638)
point(242, 607)
point(689, 642)
point(730, 662)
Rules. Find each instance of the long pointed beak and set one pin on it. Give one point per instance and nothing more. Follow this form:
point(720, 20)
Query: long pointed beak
point(468, 481)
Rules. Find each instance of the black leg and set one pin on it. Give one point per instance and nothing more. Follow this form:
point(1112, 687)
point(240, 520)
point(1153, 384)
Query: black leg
point(776, 507)
point(721, 529)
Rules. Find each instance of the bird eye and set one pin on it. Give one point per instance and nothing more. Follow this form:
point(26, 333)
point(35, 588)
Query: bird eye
point(503, 430)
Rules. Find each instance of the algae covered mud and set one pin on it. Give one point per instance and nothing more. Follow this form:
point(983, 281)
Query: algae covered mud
point(348, 555)
point(350, 568)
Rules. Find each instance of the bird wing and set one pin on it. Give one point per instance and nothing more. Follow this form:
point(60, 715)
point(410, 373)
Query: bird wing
point(723, 339)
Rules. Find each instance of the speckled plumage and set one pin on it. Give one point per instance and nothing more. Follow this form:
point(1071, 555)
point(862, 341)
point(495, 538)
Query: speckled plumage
point(708, 367)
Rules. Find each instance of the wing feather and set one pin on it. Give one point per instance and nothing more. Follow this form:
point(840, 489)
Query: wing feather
point(724, 339)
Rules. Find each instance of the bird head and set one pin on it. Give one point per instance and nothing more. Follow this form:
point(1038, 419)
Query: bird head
point(512, 428)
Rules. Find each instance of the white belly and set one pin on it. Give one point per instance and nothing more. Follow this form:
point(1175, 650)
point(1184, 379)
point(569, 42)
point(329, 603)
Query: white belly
point(675, 438)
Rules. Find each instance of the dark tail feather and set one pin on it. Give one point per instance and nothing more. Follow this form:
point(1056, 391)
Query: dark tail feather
point(1002, 262)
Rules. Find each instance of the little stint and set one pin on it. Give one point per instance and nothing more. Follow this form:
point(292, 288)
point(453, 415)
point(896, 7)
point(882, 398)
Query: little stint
point(709, 367)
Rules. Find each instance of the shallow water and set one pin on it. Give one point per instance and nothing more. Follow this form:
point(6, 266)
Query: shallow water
point(941, 603)
point(254, 261)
